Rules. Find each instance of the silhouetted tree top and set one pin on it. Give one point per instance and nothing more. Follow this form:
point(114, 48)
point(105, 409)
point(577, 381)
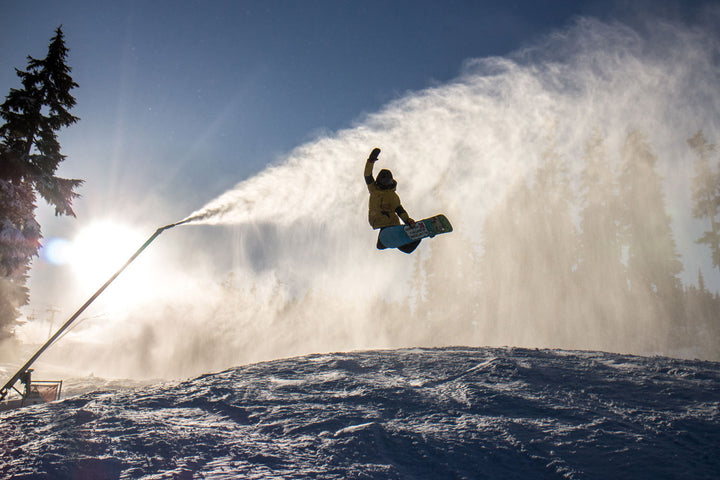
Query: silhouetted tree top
point(29, 156)
point(33, 114)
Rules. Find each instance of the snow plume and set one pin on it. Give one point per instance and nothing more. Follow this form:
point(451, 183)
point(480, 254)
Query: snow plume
point(494, 150)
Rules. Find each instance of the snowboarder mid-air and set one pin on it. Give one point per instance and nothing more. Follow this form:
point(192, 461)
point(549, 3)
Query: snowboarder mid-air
point(385, 209)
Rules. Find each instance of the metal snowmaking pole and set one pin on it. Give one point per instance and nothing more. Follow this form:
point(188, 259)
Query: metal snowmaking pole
point(10, 384)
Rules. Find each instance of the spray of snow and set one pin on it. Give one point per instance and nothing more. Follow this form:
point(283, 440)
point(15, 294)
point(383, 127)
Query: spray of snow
point(305, 273)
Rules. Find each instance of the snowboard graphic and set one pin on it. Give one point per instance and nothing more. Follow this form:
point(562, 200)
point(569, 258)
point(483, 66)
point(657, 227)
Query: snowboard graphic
point(399, 235)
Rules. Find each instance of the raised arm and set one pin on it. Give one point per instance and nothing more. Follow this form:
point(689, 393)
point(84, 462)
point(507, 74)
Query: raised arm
point(369, 166)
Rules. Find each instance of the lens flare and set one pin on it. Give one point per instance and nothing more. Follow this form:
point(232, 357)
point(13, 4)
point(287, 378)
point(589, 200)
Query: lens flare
point(57, 251)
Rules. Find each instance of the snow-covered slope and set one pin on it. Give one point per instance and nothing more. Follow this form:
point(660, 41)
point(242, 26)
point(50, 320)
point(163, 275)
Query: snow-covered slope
point(420, 413)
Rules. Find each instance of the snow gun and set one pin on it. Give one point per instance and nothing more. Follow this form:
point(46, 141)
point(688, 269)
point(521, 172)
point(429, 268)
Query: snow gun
point(21, 373)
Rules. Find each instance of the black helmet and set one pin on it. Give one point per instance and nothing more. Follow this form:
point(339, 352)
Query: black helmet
point(385, 179)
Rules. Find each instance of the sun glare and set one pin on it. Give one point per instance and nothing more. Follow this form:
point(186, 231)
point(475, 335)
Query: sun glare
point(102, 249)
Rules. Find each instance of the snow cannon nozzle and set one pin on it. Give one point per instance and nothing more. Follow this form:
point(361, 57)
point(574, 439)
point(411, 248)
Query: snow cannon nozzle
point(167, 227)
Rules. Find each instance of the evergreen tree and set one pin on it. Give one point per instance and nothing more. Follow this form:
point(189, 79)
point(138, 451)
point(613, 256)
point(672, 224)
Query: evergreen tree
point(601, 250)
point(530, 253)
point(702, 321)
point(706, 193)
point(553, 248)
point(652, 260)
point(601, 273)
point(29, 156)
point(505, 256)
point(652, 254)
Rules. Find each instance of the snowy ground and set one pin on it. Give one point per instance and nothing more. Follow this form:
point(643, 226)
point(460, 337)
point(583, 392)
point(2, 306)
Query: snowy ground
point(420, 413)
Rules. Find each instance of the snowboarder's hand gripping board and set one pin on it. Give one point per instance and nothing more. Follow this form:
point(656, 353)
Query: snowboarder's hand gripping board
point(399, 235)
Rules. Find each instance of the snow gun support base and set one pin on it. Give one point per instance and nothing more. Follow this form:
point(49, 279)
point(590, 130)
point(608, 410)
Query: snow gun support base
point(21, 373)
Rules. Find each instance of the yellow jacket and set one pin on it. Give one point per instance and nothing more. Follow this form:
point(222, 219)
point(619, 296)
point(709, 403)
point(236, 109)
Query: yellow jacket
point(384, 209)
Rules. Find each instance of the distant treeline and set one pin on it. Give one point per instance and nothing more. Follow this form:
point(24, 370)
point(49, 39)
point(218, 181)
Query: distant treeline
point(589, 267)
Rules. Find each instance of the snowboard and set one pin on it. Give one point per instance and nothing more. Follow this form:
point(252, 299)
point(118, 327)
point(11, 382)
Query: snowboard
point(400, 235)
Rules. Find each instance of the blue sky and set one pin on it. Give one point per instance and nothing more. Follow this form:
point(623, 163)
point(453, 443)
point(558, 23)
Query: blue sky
point(194, 96)
point(188, 97)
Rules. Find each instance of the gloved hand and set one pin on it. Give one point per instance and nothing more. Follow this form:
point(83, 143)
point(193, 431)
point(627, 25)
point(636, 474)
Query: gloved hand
point(374, 155)
point(411, 223)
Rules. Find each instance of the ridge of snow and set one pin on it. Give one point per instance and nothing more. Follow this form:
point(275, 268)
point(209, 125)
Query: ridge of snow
point(410, 413)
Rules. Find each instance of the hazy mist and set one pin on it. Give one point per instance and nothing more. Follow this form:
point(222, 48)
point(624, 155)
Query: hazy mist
point(294, 267)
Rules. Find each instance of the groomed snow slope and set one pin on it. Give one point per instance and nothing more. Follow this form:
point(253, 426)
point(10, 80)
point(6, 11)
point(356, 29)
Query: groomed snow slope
point(414, 413)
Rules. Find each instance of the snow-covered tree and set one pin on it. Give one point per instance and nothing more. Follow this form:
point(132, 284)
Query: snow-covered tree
point(552, 243)
point(600, 275)
point(530, 252)
point(653, 263)
point(653, 260)
point(600, 246)
point(706, 193)
point(29, 156)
